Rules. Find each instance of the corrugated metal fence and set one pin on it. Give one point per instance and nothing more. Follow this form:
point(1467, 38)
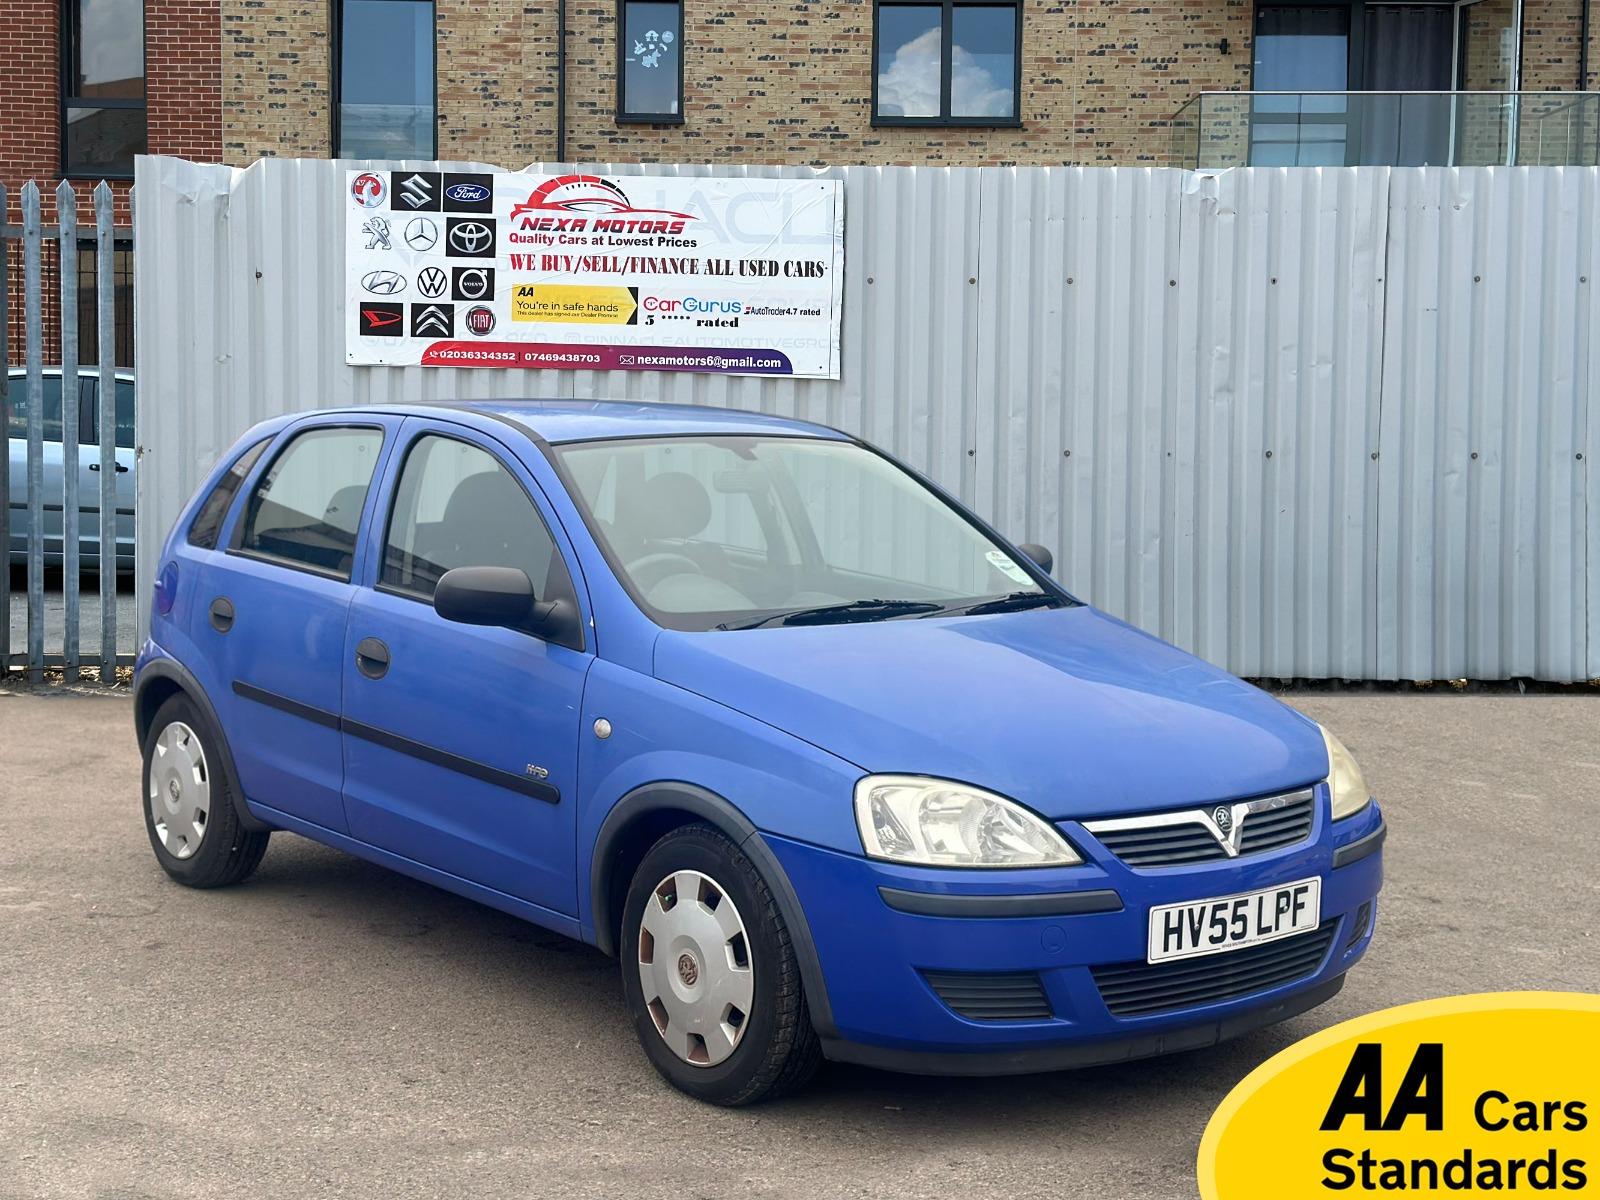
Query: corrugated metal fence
point(1328, 423)
point(52, 509)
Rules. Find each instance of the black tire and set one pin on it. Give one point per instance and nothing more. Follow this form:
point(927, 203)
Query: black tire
point(778, 1051)
point(226, 852)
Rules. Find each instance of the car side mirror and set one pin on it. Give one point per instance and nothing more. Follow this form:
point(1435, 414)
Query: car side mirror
point(1041, 557)
point(485, 596)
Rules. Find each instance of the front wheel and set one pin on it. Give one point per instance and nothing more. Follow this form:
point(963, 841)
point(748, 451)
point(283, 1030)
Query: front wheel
point(710, 974)
point(188, 807)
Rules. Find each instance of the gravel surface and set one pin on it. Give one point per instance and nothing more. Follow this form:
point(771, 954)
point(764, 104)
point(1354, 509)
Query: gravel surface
point(330, 1028)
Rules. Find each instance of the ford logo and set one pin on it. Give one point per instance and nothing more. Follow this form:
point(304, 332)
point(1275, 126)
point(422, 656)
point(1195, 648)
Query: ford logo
point(467, 193)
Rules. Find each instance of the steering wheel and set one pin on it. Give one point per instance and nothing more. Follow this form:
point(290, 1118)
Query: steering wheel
point(650, 569)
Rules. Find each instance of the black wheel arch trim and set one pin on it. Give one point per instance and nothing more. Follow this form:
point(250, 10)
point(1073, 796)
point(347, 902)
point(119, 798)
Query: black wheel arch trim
point(721, 814)
point(171, 670)
point(1362, 847)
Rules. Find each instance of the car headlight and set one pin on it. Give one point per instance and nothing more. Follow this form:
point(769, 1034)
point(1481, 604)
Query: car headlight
point(937, 823)
point(1346, 784)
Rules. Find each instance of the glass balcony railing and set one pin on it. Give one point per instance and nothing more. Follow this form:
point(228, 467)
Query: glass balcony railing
point(1406, 129)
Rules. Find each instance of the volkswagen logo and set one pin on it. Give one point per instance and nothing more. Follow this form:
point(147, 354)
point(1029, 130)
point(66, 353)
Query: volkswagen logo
point(431, 282)
point(467, 193)
point(383, 283)
point(480, 319)
point(470, 237)
point(1223, 816)
point(422, 234)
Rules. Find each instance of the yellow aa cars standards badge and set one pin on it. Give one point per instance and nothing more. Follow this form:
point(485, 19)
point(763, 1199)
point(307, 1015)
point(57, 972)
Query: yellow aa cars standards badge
point(1492, 1095)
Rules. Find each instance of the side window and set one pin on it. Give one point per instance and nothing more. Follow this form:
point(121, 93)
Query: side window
point(307, 507)
point(90, 425)
point(208, 521)
point(456, 506)
point(17, 402)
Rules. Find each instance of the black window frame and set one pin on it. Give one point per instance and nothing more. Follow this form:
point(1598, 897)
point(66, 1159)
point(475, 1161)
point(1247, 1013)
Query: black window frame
point(946, 46)
point(288, 438)
point(623, 116)
point(68, 100)
point(234, 475)
point(336, 80)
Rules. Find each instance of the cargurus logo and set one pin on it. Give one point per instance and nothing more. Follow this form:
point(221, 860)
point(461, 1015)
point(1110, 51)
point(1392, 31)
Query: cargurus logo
point(693, 304)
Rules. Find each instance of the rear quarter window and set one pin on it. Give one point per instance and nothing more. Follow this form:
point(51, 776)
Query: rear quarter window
point(208, 521)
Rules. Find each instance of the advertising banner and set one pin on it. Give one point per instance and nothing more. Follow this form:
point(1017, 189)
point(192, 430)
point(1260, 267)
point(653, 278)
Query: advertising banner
point(584, 272)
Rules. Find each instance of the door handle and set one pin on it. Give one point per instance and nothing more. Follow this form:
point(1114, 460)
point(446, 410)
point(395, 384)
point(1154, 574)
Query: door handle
point(222, 614)
point(372, 658)
point(121, 470)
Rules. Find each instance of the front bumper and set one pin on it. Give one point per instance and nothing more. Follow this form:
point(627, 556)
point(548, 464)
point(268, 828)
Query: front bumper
point(878, 929)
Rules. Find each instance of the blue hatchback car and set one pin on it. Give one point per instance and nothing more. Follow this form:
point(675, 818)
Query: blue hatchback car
point(833, 768)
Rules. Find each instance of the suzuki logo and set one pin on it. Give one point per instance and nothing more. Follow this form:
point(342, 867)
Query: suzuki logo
point(417, 191)
point(470, 237)
point(422, 234)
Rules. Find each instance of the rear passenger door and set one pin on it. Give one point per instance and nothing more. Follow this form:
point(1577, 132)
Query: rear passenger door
point(269, 614)
point(461, 741)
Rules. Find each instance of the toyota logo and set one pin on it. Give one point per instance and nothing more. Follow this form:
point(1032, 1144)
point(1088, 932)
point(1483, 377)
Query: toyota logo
point(431, 282)
point(470, 237)
point(422, 234)
point(383, 283)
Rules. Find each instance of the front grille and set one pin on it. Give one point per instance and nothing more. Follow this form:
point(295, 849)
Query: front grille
point(1181, 839)
point(1137, 989)
point(1016, 996)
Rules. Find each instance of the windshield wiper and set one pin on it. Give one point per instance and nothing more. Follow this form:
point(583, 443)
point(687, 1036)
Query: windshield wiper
point(853, 610)
point(1010, 602)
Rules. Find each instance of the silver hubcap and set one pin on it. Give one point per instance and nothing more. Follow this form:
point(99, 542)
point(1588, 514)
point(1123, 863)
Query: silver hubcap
point(180, 790)
point(694, 963)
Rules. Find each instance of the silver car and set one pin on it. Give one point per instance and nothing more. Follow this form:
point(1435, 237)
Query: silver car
point(86, 411)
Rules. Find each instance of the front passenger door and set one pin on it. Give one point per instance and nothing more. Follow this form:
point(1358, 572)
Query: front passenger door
point(460, 741)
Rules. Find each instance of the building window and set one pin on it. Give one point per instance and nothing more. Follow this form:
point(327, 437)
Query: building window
point(953, 63)
point(384, 87)
point(650, 61)
point(102, 87)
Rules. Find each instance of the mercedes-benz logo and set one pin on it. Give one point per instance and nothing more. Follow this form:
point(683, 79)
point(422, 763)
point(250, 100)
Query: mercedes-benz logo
point(470, 237)
point(431, 282)
point(383, 283)
point(1223, 816)
point(421, 234)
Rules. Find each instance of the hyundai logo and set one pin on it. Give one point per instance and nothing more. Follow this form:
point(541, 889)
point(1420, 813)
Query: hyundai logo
point(470, 237)
point(467, 193)
point(383, 283)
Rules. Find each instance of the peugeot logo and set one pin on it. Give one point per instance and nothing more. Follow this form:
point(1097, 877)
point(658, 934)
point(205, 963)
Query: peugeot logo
point(470, 237)
point(431, 282)
point(432, 319)
point(417, 192)
point(383, 283)
point(422, 234)
point(473, 283)
point(1223, 816)
point(467, 193)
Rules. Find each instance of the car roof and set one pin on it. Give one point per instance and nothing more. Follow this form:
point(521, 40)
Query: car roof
point(559, 421)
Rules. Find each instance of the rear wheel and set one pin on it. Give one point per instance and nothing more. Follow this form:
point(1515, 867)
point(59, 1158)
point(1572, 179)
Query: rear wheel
point(710, 975)
point(188, 806)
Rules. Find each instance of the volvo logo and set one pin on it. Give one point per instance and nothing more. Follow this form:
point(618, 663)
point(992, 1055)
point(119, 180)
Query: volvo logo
point(383, 283)
point(474, 283)
point(467, 193)
point(422, 234)
point(417, 191)
point(470, 237)
point(432, 282)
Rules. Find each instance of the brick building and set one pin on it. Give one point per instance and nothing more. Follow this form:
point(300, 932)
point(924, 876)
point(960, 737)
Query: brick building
point(89, 84)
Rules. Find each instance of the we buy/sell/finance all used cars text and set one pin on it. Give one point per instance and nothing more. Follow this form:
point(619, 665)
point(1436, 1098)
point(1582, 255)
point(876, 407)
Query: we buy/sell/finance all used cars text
point(833, 768)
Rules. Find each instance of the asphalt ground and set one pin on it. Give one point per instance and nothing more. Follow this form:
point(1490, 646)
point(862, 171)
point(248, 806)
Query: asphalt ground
point(332, 1029)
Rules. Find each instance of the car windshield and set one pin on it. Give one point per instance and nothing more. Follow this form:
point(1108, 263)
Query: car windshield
point(737, 532)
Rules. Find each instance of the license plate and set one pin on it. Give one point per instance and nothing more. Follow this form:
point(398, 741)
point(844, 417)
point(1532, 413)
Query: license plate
point(1233, 922)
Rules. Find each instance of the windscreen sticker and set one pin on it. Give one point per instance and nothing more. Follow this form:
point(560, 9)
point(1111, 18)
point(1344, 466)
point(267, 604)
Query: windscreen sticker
point(1002, 562)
